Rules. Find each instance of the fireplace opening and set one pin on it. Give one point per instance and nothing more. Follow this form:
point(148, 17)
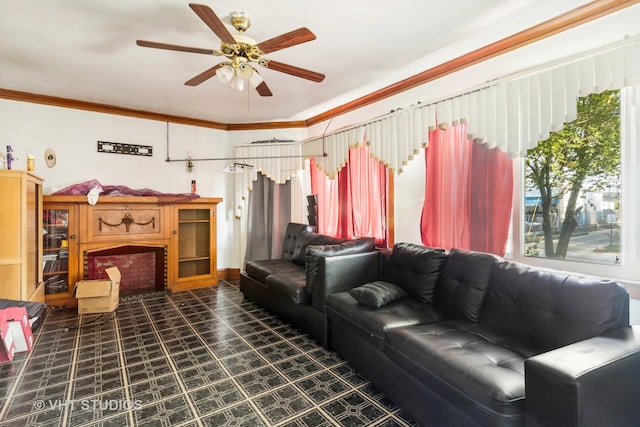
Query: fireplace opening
point(143, 268)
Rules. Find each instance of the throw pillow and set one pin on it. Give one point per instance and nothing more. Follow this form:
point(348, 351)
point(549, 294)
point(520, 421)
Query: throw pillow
point(315, 252)
point(377, 294)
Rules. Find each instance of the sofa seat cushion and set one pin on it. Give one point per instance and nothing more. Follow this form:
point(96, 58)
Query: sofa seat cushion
point(262, 269)
point(459, 357)
point(289, 286)
point(373, 323)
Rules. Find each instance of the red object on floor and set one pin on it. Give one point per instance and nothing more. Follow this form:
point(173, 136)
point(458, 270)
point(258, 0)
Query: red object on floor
point(6, 340)
point(19, 327)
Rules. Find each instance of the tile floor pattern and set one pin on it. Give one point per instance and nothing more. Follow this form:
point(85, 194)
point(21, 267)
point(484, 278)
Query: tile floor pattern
point(202, 357)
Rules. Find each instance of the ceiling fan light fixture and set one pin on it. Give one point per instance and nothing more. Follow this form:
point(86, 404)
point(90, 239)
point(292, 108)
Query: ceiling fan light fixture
point(226, 73)
point(237, 83)
point(245, 71)
point(256, 79)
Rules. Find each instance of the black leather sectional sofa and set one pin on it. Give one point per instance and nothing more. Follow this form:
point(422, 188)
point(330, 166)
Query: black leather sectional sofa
point(311, 267)
point(464, 338)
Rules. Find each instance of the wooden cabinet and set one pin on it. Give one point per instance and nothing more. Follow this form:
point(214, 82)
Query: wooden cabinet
point(21, 236)
point(184, 230)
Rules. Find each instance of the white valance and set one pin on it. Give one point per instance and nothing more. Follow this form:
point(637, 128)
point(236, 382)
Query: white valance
point(512, 114)
point(277, 162)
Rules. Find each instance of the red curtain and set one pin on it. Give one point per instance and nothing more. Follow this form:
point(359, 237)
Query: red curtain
point(468, 193)
point(327, 192)
point(354, 204)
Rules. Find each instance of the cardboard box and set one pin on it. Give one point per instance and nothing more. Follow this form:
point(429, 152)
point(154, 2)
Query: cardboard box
point(7, 348)
point(20, 327)
point(99, 296)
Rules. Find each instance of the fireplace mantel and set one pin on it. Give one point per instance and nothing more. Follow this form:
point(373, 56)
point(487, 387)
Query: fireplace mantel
point(185, 227)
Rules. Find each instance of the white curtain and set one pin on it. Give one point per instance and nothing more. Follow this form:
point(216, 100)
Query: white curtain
point(513, 114)
point(278, 162)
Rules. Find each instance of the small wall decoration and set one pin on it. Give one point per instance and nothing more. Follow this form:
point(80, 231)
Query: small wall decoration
point(120, 148)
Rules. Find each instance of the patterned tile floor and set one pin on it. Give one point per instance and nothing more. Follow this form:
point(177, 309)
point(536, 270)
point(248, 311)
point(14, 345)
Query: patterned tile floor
point(193, 358)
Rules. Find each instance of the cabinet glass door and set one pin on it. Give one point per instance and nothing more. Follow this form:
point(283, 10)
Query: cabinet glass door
point(194, 247)
point(55, 257)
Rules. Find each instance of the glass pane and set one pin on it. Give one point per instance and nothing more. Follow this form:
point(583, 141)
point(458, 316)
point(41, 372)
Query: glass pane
point(55, 257)
point(573, 193)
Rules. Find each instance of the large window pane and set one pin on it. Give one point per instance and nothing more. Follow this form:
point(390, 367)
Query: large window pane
point(573, 187)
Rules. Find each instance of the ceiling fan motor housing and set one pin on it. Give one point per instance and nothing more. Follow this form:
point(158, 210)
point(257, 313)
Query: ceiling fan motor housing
point(240, 21)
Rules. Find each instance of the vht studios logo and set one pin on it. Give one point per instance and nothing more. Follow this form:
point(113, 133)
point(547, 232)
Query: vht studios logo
point(88, 405)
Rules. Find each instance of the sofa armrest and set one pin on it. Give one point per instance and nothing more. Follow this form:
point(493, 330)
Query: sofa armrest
point(343, 272)
point(594, 382)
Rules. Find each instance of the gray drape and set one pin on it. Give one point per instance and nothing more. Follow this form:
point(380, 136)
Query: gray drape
point(269, 214)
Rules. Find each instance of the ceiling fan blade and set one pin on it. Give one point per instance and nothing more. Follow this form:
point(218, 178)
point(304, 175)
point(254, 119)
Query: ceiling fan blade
point(206, 75)
point(295, 71)
point(211, 19)
point(167, 46)
point(292, 38)
point(263, 89)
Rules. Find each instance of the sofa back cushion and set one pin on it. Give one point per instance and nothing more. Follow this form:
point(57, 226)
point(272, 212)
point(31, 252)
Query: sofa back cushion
point(308, 238)
point(551, 309)
point(464, 282)
point(315, 252)
point(415, 268)
point(292, 234)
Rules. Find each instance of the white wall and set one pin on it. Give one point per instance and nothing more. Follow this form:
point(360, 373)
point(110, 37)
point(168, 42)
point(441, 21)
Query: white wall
point(73, 135)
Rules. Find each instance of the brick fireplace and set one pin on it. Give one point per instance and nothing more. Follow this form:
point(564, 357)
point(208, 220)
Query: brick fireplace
point(143, 268)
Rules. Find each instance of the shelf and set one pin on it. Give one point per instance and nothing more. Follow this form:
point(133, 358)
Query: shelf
point(194, 267)
point(200, 258)
point(53, 273)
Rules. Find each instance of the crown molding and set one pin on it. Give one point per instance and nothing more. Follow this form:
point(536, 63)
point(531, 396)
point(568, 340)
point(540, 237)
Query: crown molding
point(566, 21)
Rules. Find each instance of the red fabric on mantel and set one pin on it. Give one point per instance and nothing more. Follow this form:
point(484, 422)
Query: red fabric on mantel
point(468, 193)
point(83, 188)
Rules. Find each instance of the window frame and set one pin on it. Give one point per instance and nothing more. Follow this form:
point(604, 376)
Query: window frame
point(628, 271)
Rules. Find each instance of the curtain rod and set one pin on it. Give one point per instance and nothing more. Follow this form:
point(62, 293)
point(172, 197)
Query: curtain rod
point(495, 82)
point(253, 144)
point(295, 156)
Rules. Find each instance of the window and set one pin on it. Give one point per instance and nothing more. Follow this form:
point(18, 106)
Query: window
point(573, 187)
point(354, 204)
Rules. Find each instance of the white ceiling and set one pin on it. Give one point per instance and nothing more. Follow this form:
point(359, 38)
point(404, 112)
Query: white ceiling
point(86, 49)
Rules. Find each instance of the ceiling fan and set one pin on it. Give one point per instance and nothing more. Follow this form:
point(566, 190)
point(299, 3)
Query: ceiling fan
point(240, 51)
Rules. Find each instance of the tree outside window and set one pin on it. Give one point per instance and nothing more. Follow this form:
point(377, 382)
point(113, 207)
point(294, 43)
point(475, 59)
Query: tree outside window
point(572, 186)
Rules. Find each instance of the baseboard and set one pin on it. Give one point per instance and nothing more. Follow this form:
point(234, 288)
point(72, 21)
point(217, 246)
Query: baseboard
point(229, 274)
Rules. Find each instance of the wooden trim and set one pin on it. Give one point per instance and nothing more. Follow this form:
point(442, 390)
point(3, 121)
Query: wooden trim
point(229, 274)
point(105, 108)
point(574, 18)
point(581, 15)
point(391, 203)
